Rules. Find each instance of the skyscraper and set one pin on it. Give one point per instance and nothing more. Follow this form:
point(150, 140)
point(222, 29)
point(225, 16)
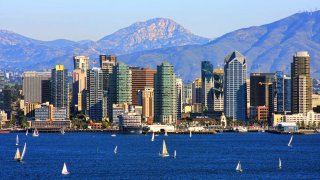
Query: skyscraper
point(165, 94)
point(218, 100)
point(81, 62)
point(95, 95)
point(283, 92)
point(59, 88)
point(179, 85)
point(120, 89)
point(146, 100)
point(141, 78)
point(235, 71)
point(107, 62)
point(79, 85)
point(187, 93)
point(207, 86)
point(196, 91)
point(301, 87)
point(32, 85)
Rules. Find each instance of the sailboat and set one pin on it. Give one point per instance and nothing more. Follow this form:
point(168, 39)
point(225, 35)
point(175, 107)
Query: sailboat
point(164, 150)
point(113, 135)
point(280, 165)
point(115, 150)
point(62, 131)
point(190, 134)
point(17, 140)
point(238, 168)
point(65, 170)
point(19, 157)
point(174, 154)
point(165, 133)
point(35, 133)
point(27, 132)
point(152, 138)
point(289, 144)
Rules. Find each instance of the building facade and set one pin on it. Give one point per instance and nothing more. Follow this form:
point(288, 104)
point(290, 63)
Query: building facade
point(179, 85)
point(32, 85)
point(207, 86)
point(196, 91)
point(146, 100)
point(81, 62)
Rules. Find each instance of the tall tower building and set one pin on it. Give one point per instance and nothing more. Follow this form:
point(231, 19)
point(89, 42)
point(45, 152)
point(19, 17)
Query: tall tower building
point(207, 86)
point(165, 94)
point(59, 88)
point(81, 62)
point(283, 92)
point(179, 85)
point(120, 89)
point(141, 78)
point(235, 70)
point(301, 87)
point(218, 101)
point(146, 100)
point(95, 95)
point(32, 85)
point(196, 91)
point(187, 93)
point(79, 78)
point(107, 62)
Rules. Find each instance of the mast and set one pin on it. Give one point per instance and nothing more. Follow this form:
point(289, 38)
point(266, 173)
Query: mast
point(23, 151)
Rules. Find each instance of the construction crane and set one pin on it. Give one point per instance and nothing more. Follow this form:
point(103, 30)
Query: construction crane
point(265, 83)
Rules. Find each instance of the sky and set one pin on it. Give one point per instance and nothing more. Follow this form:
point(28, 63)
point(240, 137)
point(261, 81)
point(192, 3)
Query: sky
point(94, 19)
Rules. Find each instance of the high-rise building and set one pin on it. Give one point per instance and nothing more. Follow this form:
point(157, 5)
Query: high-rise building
point(46, 91)
point(95, 95)
point(141, 78)
point(235, 71)
point(79, 85)
point(179, 85)
point(146, 100)
point(107, 62)
point(120, 89)
point(187, 93)
point(81, 62)
point(217, 91)
point(2, 81)
point(301, 87)
point(261, 93)
point(165, 94)
point(207, 86)
point(60, 88)
point(32, 88)
point(196, 91)
point(283, 92)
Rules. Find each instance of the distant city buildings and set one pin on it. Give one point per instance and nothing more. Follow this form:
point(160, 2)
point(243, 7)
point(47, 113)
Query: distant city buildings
point(179, 86)
point(33, 86)
point(235, 71)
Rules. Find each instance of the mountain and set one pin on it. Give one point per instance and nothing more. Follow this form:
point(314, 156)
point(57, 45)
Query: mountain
point(18, 52)
point(268, 48)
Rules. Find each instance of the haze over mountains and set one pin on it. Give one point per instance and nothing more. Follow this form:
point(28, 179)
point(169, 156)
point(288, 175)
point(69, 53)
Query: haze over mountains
point(268, 47)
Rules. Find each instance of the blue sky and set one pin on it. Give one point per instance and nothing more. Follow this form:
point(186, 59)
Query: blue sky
point(93, 19)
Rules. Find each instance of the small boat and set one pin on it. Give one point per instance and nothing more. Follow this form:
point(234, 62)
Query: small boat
point(280, 164)
point(65, 170)
point(62, 131)
point(165, 133)
point(27, 132)
point(238, 168)
point(289, 144)
point(190, 134)
point(17, 140)
point(19, 157)
point(113, 135)
point(35, 133)
point(174, 154)
point(115, 150)
point(152, 138)
point(164, 152)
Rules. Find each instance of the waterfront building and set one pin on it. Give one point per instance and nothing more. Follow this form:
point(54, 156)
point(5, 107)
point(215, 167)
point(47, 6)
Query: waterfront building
point(282, 92)
point(179, 85)
point(301, 87)
point(29, 109)
point(310, 119)
point(81, 62)
point(118, 109)
point(259, 113)
point(130, 121)
point(96, 100)
point(196, 91)
point(146, 100)
point(207, 86)
point(141, 78)
point(120, 90)
point(60, 88)
point(165, 94)
point(32, 84)
point(315, 100)
point(217, 91)
point(3, 118)
point(235, 70)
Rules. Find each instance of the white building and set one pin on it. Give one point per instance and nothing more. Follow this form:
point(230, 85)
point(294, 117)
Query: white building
point(3, 118)
point(310, 119)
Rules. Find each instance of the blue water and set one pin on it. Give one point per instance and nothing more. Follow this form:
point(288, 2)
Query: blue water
point(90, 156)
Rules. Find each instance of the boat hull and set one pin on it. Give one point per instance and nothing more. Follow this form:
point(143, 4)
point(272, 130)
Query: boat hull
point(131, 130)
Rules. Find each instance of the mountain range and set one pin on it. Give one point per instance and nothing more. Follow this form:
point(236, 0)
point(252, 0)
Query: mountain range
point(268, 47)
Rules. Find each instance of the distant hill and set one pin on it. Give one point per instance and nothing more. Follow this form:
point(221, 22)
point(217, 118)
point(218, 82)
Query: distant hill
point(268, 47)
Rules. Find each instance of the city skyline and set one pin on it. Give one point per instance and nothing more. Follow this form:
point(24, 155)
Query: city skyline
point(55, 20)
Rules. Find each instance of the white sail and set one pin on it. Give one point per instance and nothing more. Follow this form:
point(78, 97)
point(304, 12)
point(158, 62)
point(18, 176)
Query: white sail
point(115, 150)
point(164, 150)
point(23, 151)
point(289, 144)
point(165, 133)
point(27, 132)
point(238, 168)
point(62, 131)
point(152, 138)
point(35, 133)
point(17, 155)
point(64, 169)
point(190, 134)
point(280, 164)
point(174, 154)
point(17, 140)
